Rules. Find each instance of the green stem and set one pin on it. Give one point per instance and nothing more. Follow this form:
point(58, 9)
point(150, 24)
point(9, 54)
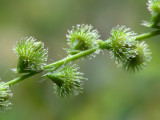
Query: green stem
point(71, 58)
point(18, 79)
point(147, 35)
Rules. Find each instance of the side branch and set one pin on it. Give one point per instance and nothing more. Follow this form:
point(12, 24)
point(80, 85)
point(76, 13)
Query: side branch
point(71, 58)
point(58, 63)
point(18, 79)
point(147, 35)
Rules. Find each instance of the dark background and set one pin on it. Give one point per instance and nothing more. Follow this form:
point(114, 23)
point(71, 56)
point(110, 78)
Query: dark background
point(109, 93)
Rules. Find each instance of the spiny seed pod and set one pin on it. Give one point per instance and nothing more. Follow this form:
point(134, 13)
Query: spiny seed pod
point(81, 38)
point(140, 60)
point(122, 44)
point(5, 96)
point(128, 53)
point(32, 55)
point(154, 8)
point(67, 79)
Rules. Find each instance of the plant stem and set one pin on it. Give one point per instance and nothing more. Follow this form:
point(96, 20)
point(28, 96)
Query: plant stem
point(71, 58)
point(147, 35)
point(18, 79)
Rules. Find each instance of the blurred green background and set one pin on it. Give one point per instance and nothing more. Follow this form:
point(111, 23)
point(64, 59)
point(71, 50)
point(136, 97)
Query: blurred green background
point(109, 93)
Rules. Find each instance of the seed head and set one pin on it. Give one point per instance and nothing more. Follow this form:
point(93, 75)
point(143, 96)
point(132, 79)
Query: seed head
point(122, 43)
point(68, 81)
point(154, 6)
point(128, 53)
point(81, 38)
point(32, 55)
point(141, 58)
point(5, 96)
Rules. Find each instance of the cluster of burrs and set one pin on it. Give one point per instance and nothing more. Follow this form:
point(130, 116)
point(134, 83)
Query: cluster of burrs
point(129, 53)
point(33, 56)
point(123, 46)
